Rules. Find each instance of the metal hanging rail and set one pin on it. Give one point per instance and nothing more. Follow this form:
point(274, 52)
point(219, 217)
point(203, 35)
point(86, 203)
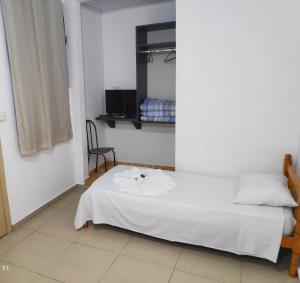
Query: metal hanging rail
point(157, 50)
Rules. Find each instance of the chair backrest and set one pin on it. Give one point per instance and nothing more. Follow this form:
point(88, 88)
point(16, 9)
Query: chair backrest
point(91, 135)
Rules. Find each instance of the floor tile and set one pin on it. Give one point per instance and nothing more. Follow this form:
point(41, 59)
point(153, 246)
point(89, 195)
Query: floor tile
point(104, 237)
point(184, 277)
point(80, 264)
point(211, 264)
point(13, 274)
point(81, 189)
point(67, 200)
point(155, 250)
point(262, 273)
point(35, 251)
point(13, 238)
point(288, 279)
point(40, 219)
point(62, 226)
point(130, 270)
point(265, 271)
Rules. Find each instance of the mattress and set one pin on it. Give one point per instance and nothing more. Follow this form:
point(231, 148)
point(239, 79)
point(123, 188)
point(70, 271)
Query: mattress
point(199, 211)
point(289, 221)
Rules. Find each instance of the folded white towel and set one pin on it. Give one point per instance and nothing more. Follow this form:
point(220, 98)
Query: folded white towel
point(144, 181)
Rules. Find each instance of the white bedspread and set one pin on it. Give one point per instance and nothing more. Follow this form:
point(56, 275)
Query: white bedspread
point(200, 211)
point(144, 181)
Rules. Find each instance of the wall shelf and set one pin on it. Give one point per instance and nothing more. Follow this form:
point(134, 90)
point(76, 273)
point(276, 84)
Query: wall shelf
point(111, 121)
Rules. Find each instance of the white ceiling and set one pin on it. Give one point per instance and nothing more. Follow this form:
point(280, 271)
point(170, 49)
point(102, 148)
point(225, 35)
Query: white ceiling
point(104, 6)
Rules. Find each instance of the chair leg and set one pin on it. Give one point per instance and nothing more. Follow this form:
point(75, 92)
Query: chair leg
point(104, 162)
point(114, 157)
point(97, 164)
point(89, 157)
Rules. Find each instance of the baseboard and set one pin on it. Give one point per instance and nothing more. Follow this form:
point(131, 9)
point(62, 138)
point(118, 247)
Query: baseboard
point(44, 206)
point(110, 163)
point(162, 167)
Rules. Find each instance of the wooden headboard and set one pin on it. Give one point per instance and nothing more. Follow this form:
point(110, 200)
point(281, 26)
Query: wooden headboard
point(294, 187)
point(293, 179)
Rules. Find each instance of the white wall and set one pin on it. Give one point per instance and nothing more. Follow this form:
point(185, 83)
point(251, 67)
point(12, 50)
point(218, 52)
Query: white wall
point(33, 181)
point(93, 71)
point(152, 144)
point(238, 68)
point(76, 83)
point(162, 76)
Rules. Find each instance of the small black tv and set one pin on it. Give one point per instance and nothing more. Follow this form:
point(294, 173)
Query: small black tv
point(120, 102)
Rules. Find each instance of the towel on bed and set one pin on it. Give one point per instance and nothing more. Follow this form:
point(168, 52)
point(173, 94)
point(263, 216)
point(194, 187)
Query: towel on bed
point(143, 181)
point(153, 104)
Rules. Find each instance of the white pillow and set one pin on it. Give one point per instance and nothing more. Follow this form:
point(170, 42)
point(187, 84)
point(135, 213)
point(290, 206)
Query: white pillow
point(259, 189)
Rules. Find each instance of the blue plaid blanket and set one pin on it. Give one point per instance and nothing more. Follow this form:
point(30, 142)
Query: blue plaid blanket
point(170, 119)
point(153, 104)
point(157, 113)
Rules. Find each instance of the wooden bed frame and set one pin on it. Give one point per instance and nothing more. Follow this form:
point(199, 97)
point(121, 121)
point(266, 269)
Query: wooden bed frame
point(293, 241)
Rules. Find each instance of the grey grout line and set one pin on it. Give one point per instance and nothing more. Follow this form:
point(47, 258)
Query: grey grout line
point(56, 237)
point(241, 272)
point(14, 245)
point(121, 252)
point(102, 277)
point(46, 276)
point(146, 260)
point(201, 275)
point(97, 248)
point(175, 264)
point(54, 259)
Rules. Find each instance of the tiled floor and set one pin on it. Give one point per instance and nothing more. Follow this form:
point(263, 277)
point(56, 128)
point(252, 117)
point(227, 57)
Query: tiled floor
point(47, 249)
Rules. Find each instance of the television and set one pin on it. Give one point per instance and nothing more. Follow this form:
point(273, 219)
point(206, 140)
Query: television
point(121, 103)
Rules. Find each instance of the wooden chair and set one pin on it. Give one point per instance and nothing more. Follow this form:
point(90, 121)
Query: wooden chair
point(93, 146)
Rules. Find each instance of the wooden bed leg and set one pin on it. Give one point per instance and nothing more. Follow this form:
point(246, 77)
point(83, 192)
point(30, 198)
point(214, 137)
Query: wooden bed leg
point(293, 271)
point(86, 225)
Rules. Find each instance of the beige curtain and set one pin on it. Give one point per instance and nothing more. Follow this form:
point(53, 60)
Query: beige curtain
point(37, 54)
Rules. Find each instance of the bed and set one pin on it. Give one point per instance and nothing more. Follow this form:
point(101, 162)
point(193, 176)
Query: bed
point(199, 211)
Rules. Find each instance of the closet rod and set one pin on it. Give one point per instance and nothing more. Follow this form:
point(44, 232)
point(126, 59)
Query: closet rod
point(157, 50)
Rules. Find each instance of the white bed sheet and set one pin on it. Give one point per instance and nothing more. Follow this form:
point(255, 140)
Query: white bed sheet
point(200, 211)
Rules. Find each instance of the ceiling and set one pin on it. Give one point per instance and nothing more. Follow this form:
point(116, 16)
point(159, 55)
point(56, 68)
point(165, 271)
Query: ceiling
point(104, 6)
